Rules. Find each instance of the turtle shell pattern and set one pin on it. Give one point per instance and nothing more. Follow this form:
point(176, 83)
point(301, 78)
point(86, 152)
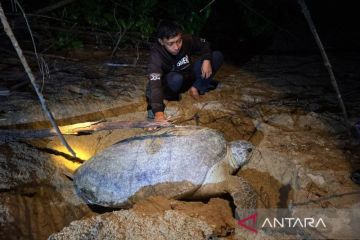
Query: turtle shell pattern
point(181, 155)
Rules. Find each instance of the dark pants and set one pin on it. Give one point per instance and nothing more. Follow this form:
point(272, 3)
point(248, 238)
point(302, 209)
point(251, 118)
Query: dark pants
point(176, 83)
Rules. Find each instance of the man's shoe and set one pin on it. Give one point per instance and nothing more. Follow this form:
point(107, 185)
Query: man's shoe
point(194, 93)
point(150, 114)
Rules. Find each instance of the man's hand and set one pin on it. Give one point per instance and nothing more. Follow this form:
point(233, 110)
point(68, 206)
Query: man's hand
point(159, 117)
point(206, 69)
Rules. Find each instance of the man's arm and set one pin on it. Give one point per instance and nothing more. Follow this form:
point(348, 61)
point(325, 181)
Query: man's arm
point(206, 69)
point(156, 96)
point(203, 47)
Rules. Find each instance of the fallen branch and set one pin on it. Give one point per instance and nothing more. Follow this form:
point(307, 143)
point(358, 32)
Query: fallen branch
point(85, 128)
point(326, 62)
point(26, 66)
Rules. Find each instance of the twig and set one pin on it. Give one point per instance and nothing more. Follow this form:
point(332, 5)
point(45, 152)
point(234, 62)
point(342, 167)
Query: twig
point(28, 26)
point(122, 33)
point(137, 54)
point(326, 61)
point(26, 66)
point(41, 62)
point(13, 6)
point(207, 5)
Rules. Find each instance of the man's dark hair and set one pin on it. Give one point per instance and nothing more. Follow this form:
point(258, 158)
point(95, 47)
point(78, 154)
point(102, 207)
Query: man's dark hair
point(168, 29)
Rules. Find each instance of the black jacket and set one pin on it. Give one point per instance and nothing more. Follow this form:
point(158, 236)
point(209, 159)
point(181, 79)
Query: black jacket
point(162, 62)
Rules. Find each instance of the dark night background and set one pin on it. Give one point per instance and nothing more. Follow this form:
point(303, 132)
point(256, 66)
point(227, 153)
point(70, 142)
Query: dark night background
point(91, 68)
point(240, 28)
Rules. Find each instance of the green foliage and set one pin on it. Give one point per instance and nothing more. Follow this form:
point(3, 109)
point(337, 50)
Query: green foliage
point(135, 16)
point(67, 41)
point(196, 21)
point(186, 12)
point(134, 20)
point(140, 13)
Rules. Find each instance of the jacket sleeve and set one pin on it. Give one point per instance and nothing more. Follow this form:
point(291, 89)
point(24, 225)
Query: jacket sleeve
point(200, 45)
point(155, 74)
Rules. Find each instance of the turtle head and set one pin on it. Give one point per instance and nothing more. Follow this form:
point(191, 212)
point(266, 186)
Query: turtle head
point(241, 152)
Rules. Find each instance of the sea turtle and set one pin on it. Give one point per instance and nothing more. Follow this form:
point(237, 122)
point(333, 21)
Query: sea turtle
point(181, 162)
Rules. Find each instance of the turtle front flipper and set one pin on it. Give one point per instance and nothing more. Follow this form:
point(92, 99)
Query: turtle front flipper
point(241, 191)
point(243, 194)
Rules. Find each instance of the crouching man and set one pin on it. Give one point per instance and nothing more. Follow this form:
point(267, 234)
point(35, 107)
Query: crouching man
point(171, 70)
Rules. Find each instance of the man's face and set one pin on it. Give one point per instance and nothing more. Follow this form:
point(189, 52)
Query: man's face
point(172, 45)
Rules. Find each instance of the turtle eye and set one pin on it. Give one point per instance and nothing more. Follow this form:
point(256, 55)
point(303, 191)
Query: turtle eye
point(249, 150)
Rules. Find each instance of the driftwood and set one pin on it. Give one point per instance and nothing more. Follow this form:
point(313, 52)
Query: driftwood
point(27, 68)
point(85, 128)
point(326, 61)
